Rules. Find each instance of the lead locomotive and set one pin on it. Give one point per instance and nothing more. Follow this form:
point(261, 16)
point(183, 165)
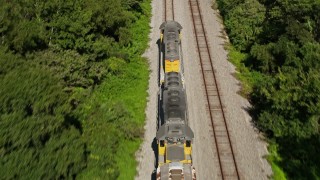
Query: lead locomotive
point(174, 136)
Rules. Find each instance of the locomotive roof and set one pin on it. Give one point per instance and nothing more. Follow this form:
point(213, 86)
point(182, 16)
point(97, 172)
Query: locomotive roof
point(175, 130)
point(170, 26)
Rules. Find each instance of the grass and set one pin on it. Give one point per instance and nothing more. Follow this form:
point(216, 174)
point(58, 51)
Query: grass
point(273, 158)
point(125, 160)
point(117, 106)
point(248, 78)
point(119, 98)
point(136, 74)
point(134, 94)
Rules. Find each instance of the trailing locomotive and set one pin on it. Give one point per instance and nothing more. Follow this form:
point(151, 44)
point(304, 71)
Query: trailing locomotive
point(174, 136)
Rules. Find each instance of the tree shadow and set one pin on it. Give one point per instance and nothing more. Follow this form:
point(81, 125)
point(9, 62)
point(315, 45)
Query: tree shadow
point(297, 156)
point(160, 115)
point(71, 120)
point(300, 156)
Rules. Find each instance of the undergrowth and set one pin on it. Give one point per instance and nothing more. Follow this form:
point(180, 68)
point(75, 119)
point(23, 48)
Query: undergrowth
point(115, 113)
point(248, 78)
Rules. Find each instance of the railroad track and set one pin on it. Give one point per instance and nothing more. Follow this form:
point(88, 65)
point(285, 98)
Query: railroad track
point(168, 10)
point(224, 149)
point(225, 152)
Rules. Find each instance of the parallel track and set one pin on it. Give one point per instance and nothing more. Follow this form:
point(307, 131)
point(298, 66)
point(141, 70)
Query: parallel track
point(225, 152)
point(168, 10)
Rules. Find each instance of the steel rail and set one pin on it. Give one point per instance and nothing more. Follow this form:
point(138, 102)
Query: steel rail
point(172, 9)
point(166, 11)
point(221, 148)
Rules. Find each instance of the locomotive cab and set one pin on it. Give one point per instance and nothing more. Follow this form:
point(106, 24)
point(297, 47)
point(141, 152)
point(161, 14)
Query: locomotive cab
point(175, 151)
point(170, 27)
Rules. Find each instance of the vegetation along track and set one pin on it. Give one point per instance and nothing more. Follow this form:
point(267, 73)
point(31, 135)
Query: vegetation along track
point(225, 152)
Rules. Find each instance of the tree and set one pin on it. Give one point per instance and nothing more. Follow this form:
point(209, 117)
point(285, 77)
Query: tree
point(243, 23)
point(39, 137)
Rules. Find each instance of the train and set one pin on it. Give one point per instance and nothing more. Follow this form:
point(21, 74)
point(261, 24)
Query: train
point(174, 136)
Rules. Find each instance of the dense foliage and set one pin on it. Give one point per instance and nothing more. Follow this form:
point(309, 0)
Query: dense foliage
point(66, 68)
point(281, 40)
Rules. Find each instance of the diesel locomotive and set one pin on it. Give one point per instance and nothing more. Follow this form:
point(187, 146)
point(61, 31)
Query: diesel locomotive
point(174, 136)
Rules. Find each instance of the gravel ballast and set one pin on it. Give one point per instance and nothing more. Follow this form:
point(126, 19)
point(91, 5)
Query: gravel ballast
point(248, 147)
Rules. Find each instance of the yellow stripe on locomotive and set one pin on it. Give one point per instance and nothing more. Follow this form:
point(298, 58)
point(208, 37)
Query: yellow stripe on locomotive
point(172, 66)
point(162, 150)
